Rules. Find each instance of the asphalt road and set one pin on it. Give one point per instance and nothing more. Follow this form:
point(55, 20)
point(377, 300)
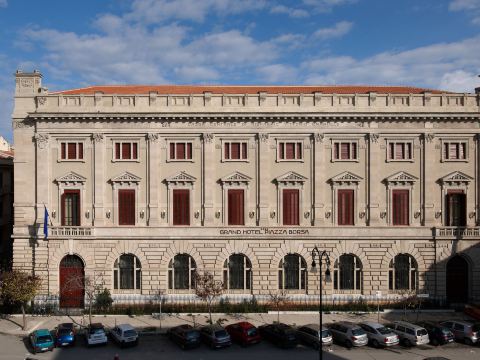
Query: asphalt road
point(159, 347)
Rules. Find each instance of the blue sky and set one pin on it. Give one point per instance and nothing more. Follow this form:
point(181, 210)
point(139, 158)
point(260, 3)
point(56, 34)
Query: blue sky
point(426, 43)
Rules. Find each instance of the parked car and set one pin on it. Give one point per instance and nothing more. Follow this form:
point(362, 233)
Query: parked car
point(410, 334)
point(185, 336)
point(244, 333)
point(310, 335)
point(379, 335)
point(124, 334)
point(95, 335)
point(65, 335)
point(465, 331)
point(215, 336)
point(41, 340)
point(279, 334)
point(438, 334)
point(348, 334)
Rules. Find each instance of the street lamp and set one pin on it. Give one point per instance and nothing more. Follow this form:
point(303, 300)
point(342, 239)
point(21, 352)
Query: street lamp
point(321, 255)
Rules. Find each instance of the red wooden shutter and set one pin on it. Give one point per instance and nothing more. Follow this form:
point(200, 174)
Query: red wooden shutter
point(80, 151)
point(408, 154)
point(126, 207)
point(290, 151)
point(244, 150)
point(172, 151)
point(353, 156)
point(399, 155)
point(72, 150)
point(235, 150)
point(345, 207)
point(281, 151)
point(126, 150)
point(400, 207)
point(235, 207)
point(344, 151)
point(70, 205)
point(291, 207)
point(299, 151)
point(391, 152)
point(336, 151)
point(445, 151)
point(189, 150)
point(453, 151)
point(117, 151)
point(227, 151)
point(63, 152)
point(181, 207)
point(461, 151)
point(180, 151)
point(135, 151)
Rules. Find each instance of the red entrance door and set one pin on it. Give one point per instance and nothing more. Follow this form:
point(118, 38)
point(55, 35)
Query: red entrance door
point(72, 282)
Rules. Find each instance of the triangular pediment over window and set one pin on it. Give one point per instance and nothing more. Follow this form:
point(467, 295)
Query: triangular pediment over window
point(456, 178)
point(71, 178)
point(401, 178)
point(346, 177)
point(181, 178)
point(126, 177)
point(291, 177)
point(236, 178)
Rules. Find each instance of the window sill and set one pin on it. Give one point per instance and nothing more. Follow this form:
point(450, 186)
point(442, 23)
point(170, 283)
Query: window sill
point(455, 160)
point(400, 160)
point(125, 160)
point(345, 160)
point(236, 160)
point(71, 160)
point(180, 160)
point(290, 160)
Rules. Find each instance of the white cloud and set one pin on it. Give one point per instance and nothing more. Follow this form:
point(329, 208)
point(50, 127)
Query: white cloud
point(3, 3)
point(278, 73)
point(459, 5)
point(341, 28)
point(322, 6)
point(292, 12)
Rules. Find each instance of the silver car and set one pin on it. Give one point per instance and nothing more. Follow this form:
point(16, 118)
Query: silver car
point(410, 334)
point(215, 336)
point(349, 334)
point(310, 335)
point(465, 331)
point(379, 335)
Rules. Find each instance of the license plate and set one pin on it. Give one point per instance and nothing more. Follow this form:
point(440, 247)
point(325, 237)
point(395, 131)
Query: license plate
point(131, 339)
point(63, 344)
point(44, 349)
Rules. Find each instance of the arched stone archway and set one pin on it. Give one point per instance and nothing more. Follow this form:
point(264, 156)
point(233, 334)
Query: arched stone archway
point(72, 282)
point(457, 280)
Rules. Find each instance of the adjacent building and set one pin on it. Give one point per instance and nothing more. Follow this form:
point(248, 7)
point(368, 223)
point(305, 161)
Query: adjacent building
point(6, 204)
point(145, 185)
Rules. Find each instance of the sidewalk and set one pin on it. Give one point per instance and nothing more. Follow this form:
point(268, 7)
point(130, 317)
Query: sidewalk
point(149, 324)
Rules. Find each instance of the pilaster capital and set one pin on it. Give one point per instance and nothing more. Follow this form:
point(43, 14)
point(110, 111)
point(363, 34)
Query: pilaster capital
point(97, 137)
point(318, 137)
point(152, 137)
point(41, 140)
point(263, 137)
point(207, 138)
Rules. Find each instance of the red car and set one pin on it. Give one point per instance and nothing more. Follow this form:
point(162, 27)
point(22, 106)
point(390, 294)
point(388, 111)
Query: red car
point(244, 333)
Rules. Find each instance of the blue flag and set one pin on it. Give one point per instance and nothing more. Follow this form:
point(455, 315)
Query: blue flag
point(45, 223)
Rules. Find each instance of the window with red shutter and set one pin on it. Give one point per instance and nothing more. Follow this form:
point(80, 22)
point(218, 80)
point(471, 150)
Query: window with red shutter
point(226, 154)
point(456, 203)
point(80, 150)
point(235, 151)
point(189, 150)
point(400, 207)
point(180, 151)
point(117, 151)
point(290, 150)
point(236, 207)
point(345, 207)
point(126, 207)
point(454, 150)
point(70, 202)
point(244, 150)
point(344, 151)
point(72, 151)
point(336, 151)
point(181, 207)
point(134, 151)
point(172, 151)
point(291, 207)
point(298, 153)
point(63, 150)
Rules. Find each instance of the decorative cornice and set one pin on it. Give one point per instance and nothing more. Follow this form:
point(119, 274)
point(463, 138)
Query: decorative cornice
point(126, 177)
point(181, 177)
point(236, 178)
point(456, 178)
point(346, 177)
point(401, 178)
point(291, 177)
point(71, 177)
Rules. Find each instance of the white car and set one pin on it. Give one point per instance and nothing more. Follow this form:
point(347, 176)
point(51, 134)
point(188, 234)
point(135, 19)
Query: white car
point(124, 334)
point(95, 335)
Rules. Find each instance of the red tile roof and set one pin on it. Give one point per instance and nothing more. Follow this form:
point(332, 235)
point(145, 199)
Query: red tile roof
point(6, 154)
point(240, 89)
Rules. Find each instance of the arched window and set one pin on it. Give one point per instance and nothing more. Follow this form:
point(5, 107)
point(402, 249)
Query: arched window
point(127, 272)
point(181, 272)
point(347, 273)
point(402, 273)
point(237, 272)
point(292, 272)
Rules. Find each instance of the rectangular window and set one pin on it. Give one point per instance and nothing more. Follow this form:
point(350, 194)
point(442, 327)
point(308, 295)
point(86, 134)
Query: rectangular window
point(235, 150)
point(290, 150)
point(70, 202)
point(345, 150)
point(71, 151)
point(456, 203)
point(181, 207)
point(345, 207)
point(400, 151)
point(400, 207)
point(291, 207)
point(126, 150)
point(236, 207)
point(180, 150)
point(454, 150)
point(126, 207)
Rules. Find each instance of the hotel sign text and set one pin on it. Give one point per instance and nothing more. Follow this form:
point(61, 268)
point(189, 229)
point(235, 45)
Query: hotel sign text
point(264, 231)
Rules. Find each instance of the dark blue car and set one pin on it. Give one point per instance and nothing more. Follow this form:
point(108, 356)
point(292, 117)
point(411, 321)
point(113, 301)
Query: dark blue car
point(65, 335)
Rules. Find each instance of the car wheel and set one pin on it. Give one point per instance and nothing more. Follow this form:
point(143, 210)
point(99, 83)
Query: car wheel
point(375, 344)
point(122, 344)
point(316, 345)
point(434, 342)
point(468, 341)
point(348, 344)
point(407, 343)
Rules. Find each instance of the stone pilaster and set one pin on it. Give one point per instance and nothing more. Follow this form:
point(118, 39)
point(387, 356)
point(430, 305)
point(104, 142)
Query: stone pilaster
point(98, 179)
point(429, 207)
point(153, 180)
point(208, 178)
point(43, 175)
point(377, 201)
point(265, 205)
point(318, 179)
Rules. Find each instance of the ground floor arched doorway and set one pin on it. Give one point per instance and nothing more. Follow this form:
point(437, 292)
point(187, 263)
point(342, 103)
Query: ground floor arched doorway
point(457, 280)
point(72, 282)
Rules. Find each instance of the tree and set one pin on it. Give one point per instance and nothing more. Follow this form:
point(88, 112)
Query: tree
point(103, 300)
point(408, 300)
point(20, 287)
point(208, 289)
point(277, 299)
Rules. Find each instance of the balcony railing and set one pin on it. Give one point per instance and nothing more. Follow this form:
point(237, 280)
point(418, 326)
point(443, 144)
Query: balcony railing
point(70, 231)
point(457, 232)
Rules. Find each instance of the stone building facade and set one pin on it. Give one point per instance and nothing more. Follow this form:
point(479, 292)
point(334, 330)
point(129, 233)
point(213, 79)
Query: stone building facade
point(146, 184)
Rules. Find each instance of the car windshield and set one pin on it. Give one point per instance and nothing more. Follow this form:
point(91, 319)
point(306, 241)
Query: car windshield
point(220, 333)
point(358, 332)
point(326, 333)
point(446, 331)
point(422, 332)
point(97, 331)
point(64, 331)
point(44, 339)
point(192, 334)
point(129, 333)
point(384, 330)
point(252, 332)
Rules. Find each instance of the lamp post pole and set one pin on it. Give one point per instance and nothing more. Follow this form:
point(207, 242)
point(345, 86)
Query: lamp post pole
point(321, 255)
